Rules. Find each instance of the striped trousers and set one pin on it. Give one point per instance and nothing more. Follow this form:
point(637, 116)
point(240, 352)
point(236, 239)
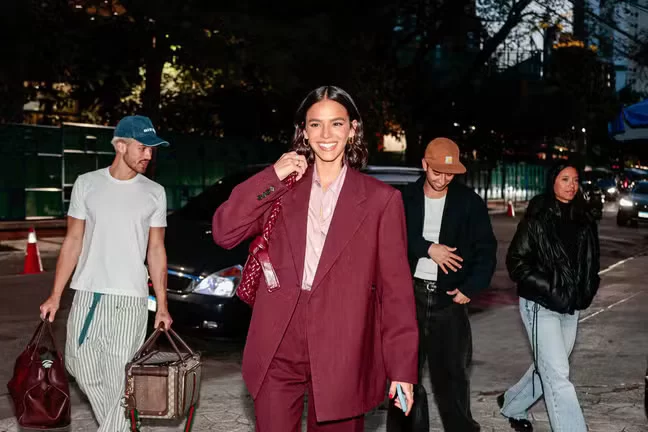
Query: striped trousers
point(103, 334)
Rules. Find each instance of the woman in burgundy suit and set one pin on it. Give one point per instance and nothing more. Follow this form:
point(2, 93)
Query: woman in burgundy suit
point(343, 319)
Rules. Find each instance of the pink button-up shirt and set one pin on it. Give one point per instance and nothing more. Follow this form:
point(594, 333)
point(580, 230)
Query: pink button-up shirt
point(320, 213)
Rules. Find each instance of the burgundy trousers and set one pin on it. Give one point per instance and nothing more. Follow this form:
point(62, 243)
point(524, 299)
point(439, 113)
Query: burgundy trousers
point(280, 402)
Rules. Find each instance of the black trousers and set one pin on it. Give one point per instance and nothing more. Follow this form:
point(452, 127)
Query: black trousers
point(445, 341)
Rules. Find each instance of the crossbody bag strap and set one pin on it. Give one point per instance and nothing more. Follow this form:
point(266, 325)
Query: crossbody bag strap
point(133, 416)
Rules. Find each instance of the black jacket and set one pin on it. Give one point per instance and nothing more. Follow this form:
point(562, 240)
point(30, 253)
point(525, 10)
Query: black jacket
point(465, 225)
point(538, 263)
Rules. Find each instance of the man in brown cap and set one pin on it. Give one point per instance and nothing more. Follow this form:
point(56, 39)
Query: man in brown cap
point(452, 254)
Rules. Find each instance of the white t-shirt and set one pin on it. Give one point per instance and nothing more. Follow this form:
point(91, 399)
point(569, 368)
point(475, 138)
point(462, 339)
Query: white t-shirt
point(426, 268)
point(118, 215)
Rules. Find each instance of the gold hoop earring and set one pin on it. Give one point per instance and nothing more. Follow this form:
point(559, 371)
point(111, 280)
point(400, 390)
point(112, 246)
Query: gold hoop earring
point(350, 141)
point(306, 142)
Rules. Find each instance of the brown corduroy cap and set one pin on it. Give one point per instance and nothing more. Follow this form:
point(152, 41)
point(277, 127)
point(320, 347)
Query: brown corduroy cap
point(442, 155)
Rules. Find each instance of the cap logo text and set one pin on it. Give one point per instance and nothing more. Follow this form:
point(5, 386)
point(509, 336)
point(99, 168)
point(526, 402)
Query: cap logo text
point(147, 130)
point(448, 160)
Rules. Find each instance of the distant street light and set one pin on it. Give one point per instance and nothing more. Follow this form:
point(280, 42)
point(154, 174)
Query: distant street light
point(583, 130)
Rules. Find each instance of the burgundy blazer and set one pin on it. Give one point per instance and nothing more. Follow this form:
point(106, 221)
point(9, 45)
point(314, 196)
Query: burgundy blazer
point(361, 318)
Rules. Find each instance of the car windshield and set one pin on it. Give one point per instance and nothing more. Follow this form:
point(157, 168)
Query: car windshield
point(606, 182)
point(641, 189)
point(203, 206)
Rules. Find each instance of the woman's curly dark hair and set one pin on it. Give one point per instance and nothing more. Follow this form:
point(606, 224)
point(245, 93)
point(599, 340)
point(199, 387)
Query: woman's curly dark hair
point(356, 153)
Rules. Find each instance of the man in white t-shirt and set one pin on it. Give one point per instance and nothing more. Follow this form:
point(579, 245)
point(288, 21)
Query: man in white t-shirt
point(452, 255)
point(116, 221)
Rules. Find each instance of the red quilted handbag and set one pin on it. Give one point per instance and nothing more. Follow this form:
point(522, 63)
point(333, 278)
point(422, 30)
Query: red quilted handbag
point(39, 386)
point(259, 259)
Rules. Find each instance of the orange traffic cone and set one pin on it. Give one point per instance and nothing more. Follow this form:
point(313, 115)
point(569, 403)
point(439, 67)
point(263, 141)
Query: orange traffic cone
point(510, 210)
point(33, 262)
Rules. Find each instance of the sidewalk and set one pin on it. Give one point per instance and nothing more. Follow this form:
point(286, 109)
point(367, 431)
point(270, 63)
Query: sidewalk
point(12, 253)
point(16, 230)
point(37, 223)
point(608, 368)
point(499, 206)
point(495, 206)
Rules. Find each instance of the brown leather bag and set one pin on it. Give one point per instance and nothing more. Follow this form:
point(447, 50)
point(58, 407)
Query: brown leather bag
point(39, 387)
point(162, 384)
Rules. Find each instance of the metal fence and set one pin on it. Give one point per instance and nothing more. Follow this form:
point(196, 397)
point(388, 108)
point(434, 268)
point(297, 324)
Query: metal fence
point(509, 181)
point(39, 164)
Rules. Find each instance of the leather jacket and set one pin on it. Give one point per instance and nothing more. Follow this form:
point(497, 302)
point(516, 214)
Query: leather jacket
point(538, 262)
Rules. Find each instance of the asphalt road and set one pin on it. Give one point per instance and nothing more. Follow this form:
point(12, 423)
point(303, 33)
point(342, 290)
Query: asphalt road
point(617, 243)
point(608, 363)
point(21, 295)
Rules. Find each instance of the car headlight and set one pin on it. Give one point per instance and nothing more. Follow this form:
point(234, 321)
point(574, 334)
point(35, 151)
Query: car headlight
point(611, 190)
point(223, 283)
point(624, 202)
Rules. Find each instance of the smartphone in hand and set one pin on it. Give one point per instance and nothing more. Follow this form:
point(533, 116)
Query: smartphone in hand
point(401, 397)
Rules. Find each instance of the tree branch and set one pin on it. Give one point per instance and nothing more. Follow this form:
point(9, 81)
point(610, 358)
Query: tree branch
point(514, 17)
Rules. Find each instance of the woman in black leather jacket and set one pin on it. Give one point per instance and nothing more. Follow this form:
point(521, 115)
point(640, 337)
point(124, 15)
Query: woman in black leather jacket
point(554, 259)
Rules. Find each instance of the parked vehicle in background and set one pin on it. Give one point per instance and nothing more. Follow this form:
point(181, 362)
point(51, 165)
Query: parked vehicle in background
point(630, 177)
point(605, 179)
point(594, 197)
point(633, 207)
point(608, 186)
point(203, 277)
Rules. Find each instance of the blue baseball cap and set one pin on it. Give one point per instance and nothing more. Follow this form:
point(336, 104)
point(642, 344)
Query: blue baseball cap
point(139, 128)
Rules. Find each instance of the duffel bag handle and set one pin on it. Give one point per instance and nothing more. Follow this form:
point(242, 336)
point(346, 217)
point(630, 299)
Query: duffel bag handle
point(147, 345)
point(38, 334)
point(179, 339)
point(171, 335)
point(173, 344)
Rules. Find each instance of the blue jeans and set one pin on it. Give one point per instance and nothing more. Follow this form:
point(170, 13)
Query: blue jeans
point(552, 337)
